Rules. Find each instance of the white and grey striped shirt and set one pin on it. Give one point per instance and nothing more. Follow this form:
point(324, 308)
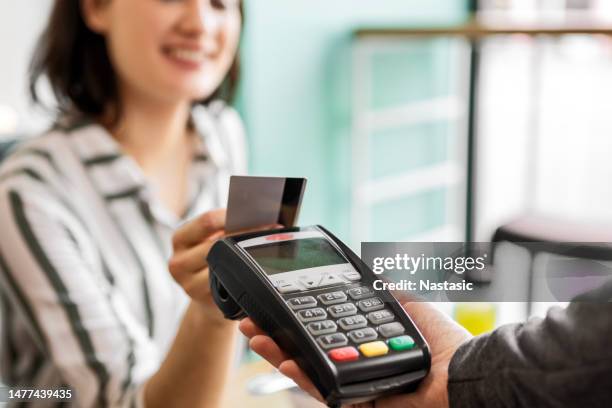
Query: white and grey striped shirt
point(87, 300)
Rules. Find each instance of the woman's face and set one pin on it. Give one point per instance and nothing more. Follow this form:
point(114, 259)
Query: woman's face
point(171, 50)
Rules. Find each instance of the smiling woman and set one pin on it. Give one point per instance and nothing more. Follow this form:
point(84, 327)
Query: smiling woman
point(108, 217)
point(160, 52)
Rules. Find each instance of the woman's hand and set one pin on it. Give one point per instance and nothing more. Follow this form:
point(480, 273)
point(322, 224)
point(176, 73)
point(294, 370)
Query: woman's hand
point(191, 244)
point(442, 334)
point(194, 372)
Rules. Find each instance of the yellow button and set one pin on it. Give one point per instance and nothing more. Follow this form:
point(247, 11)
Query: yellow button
point(373, 349)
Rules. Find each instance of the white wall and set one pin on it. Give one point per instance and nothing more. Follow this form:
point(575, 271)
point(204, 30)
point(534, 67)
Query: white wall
point(502, 135)
point(562, 167)
point(572, 173)
point(20, 24)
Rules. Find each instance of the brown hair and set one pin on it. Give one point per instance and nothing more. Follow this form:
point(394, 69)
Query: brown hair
point(76, 62)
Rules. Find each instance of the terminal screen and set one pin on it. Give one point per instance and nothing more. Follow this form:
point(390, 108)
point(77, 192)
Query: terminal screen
point(295, 254)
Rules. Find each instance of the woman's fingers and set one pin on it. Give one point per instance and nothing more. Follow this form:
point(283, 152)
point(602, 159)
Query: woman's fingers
point(255, 229)
point(184, 264)
point(197, 286)
point(293, 371)
point(188, 266)
point(199, 229)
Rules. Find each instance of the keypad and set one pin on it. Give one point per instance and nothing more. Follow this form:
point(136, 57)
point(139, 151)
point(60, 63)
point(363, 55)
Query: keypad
point(345, 309)
point(350, 324)
point(391, 329)
point(344, 354)
point(370, 305)
point(332, 298)
point(310, 282)
point(363, 335)
point(402, 343)
point(353, 322)
point(303, 282)
point(374, 349)
point(360, 292)
point(287, 287)
point(352, 276)
point(324, 327)
point(311, 315)
point(381, 316)
point(329, 341)
point(302, 302)
point(328, 280)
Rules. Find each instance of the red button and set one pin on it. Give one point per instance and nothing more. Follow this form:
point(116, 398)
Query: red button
point(344, 354)
point(279, 237)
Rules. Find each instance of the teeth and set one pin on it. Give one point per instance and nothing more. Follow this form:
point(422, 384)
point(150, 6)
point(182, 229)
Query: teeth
point(188, 55)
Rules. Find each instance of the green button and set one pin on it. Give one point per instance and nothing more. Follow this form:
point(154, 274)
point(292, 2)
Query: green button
point(401, 343)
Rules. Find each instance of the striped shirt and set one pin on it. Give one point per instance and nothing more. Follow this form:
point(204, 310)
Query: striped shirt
point(87, 300)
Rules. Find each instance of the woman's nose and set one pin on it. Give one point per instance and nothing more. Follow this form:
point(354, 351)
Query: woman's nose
point(201, 17)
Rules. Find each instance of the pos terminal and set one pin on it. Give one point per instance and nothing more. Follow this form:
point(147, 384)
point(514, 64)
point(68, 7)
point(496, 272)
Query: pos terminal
point(315, 298)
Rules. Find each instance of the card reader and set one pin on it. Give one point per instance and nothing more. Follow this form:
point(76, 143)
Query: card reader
point(315, 298)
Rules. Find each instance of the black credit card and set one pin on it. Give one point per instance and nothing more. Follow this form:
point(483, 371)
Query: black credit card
point(255, 201)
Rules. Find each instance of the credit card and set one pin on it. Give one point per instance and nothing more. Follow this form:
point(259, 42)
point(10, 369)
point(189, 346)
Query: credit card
point(259, 201)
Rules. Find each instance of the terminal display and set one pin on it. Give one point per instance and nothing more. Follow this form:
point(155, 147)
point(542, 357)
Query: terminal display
point(294, 255)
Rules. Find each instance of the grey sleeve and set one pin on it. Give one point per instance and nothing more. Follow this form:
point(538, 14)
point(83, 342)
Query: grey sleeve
point(563, 360)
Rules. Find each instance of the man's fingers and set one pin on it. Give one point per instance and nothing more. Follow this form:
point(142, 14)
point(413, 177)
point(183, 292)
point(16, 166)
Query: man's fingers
point(249, 328)
point(293, 371)
point(267, 348)
point(199, 229)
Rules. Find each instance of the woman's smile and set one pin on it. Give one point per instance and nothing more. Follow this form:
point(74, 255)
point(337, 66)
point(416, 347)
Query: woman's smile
point(187, 57)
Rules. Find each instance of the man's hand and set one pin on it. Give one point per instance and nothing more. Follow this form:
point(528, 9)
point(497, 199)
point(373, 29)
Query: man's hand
point(443, 335)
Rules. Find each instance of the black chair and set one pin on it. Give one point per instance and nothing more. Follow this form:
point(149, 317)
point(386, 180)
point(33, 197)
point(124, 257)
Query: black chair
point(543, 234)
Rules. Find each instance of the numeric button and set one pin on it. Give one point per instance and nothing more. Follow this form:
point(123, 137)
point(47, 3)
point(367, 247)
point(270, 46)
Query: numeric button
point(332, 340)
point(363, 335)
point(380, 316)
point(370, 305)
point(360, 292)
point(312, 315)
point(324, 327)
point(353, 322)
point(332, 298)
point(302, 302)
point(345, 309)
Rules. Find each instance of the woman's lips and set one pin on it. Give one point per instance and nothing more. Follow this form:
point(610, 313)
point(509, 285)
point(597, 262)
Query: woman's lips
point(186, 57)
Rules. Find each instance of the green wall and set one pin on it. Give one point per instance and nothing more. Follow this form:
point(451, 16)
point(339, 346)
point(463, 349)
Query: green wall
point(295, 96)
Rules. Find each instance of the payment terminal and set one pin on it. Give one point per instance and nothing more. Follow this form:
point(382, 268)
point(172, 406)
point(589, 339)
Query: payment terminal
point(315, 298)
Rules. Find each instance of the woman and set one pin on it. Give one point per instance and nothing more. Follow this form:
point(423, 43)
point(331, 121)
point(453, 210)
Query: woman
point(97, 212)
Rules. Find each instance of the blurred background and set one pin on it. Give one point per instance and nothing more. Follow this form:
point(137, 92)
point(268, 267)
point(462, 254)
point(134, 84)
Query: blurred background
point(413, 120)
